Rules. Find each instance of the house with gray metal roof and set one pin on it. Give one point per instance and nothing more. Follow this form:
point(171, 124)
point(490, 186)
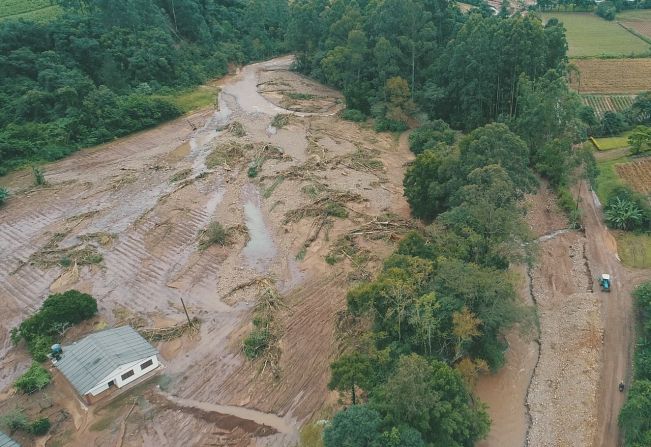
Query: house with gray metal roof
point(6, 441)
point(106, 359)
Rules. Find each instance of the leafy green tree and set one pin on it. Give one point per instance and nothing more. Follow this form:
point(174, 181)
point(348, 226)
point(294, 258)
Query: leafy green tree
point(635, 416)
point(430, 135)
point(488, 214)
point(640, 110)
point(496, 144)
point(640, 139)
point(548, 111)
point(58, 312)
point(351, 371)
point(356, 426)
point(613, 123)
point(425, 319)
point(428, 183)
point(36, 378)
point(433, 399)
point(4, 194)
point(403, 436)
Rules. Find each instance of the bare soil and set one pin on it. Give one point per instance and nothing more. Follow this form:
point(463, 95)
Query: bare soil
point(152, 195)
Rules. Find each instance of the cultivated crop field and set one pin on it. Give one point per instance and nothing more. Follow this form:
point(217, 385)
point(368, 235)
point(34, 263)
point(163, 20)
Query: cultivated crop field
point(637, 174)
point(608, 103)
point(613, 75)
point(589, 35)
point(639, 20)
point(27, 9)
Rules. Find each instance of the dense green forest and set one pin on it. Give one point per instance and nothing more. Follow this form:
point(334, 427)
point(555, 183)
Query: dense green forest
point(98, 70)
point(435, 316)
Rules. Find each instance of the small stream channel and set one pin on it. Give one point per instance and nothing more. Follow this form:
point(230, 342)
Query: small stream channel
point(260, 250)
point(259, 417)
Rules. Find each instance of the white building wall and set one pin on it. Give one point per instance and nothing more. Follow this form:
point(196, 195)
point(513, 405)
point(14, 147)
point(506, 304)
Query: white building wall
point(116, 376)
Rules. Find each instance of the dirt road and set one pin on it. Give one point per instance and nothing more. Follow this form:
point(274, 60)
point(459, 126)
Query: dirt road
point(618, 320)
point(141, 205)
point(586, 339)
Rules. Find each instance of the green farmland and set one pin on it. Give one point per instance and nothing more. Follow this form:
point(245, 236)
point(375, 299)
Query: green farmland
point(39, 10)
point(592, 36)
point(617, 142)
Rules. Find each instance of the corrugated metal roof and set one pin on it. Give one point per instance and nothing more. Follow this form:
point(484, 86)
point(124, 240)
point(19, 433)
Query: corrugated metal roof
point(91, 359)
point(6, 441)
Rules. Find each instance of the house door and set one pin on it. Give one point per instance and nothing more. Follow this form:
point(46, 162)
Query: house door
point(111, 383)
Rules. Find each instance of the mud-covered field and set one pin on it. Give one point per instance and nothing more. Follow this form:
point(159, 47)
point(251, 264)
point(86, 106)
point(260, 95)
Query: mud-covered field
point(125, 221)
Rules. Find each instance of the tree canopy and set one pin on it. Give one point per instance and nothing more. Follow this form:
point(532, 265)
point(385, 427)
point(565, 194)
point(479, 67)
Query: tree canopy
point(101, 70)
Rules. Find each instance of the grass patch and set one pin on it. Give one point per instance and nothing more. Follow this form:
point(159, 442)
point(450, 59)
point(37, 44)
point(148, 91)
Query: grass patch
point(608, 143)
point(280, 120)
point(103, 424)
point(35, 378)
point(237, 129)
point(193, 99)
point(226, 154)
point(269, 190)
point(608, 180)
point(83, 253)
point(299, 96)
point(215, 233)
point(181, 175)
point(642, 15)
point(262, 341)
point(634, 249)
point(36, 10)
point(592, 36)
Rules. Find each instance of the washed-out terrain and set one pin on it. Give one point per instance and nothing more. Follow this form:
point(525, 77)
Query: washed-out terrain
point(143, 203)
point(293, 185)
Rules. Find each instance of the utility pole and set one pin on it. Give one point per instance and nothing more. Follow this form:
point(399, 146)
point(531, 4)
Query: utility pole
point(186, 312)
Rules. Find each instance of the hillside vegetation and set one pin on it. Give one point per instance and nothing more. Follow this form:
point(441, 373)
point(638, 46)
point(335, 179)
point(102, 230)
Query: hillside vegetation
point(104, 69)
point(420, 333)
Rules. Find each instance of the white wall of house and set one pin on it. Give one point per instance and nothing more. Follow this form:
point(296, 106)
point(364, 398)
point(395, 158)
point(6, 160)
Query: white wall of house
point(117, 375)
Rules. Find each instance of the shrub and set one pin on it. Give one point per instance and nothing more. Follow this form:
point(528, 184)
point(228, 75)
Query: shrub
point(39, 427)
point(613, 123)
point(15, 420)
point(257, 342)
point(567, 203)
point(606, 10)
point(214, 234)
point(252, 172)
point(353, 115)
point(36, 378)
point(4, 193)
point(335, 209)
point(58, 312)
point(387, 125)
point(622, 213)
point(39, 176)
point(627, 210)
point(281, 120)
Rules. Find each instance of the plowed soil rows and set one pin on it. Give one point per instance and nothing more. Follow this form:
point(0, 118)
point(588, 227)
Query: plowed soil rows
point(612, 75)
point(643, 28)
point(637, 174)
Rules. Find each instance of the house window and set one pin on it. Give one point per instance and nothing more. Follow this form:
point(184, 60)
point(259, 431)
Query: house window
point(147, 364)
point(127, 374)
